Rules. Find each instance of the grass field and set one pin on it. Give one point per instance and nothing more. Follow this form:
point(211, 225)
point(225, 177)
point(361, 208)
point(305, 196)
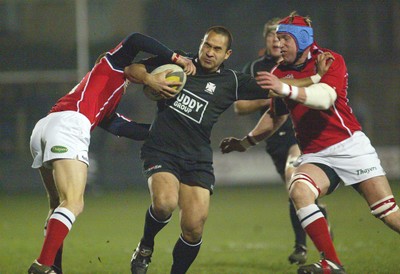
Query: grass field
point(247, 232)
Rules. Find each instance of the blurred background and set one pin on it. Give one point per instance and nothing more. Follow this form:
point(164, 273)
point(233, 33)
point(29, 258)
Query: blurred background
point(48, 45)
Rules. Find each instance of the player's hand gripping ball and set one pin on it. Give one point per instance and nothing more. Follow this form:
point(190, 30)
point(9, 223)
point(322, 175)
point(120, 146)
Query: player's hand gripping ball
point(177, 75)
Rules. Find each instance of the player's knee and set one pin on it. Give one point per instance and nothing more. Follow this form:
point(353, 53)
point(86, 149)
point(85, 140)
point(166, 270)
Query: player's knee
point(192, 234)
point(301, 185)
point(76, 207)
point(384, 207)
point(164, 205)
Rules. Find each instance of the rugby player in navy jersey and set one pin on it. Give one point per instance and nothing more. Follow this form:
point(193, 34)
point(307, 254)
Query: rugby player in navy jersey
point(177, 155)
point(60, 141)
point(282, 145)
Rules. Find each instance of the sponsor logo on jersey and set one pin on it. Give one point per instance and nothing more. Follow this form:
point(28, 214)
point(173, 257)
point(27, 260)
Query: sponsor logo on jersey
point(210, 88)
point(289, 76)
point(59, 149)
point(366, 170)
point(190, 106)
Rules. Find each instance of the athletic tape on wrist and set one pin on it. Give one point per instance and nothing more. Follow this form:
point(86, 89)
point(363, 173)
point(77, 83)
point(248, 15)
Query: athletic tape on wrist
point(290, 91)
point(316, 78)
point(175, 58)
point(251, 139)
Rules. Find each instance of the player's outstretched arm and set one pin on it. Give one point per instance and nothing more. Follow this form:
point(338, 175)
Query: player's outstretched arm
point(318, 96)
point(265, 127)
point(121, 126)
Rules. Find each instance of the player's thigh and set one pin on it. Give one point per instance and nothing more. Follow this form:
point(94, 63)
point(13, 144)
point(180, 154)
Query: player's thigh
point(164, 188)
point(316, 174)
point(70, 177)
point(293, 154)
point(194, 203)
point(374, 189)
point(50, 185)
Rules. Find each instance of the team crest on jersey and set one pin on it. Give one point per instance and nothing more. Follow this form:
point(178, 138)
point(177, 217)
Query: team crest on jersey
point(289, 76)
point(190, 106)
point(210, 88)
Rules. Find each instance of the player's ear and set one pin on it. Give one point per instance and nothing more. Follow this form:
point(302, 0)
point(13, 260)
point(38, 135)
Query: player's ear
point(227, 54)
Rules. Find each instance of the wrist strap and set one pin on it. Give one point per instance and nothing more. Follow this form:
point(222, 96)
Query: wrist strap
point(251, 140)
point(290, 91)
point(316, 78)
point(175, 57)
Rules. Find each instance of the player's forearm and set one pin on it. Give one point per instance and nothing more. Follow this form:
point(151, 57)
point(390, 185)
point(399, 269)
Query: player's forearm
point(244, 107)
point(137, 73)
point(302, 82)
point(318, 96)
point(267, 126)
point(264, 129)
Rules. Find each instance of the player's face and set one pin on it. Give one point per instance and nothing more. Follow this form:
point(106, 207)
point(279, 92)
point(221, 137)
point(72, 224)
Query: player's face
point(213, 51)
point(272, 45)
point(288, 47)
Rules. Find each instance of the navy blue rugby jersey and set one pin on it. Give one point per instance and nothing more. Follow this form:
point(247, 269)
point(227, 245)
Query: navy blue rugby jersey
point(267, 63)
point(183, 124)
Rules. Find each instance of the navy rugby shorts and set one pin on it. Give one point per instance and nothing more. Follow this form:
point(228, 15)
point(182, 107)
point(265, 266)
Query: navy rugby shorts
point(188, 172)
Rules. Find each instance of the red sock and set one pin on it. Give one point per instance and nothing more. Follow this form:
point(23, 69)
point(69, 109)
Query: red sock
point(319, 234)
point(59, 225)
point(56, 233)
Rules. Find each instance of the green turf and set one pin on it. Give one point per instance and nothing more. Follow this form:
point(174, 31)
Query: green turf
point(247, 232)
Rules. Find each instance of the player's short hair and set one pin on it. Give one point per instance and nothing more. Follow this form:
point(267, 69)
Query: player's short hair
point(271, 26)
point(295, 19)
point(223, 31)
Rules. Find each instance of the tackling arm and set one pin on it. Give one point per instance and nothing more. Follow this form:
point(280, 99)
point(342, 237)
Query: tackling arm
point(243, 107)
point(123, 127)
point(265, 127)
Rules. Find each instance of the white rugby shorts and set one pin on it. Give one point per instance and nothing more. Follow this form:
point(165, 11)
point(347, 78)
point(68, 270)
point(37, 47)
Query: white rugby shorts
point(354, 159)
point(60, 135)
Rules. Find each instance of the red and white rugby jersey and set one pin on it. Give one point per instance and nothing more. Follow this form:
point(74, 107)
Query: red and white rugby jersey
point(97, 95)
point(319, 129)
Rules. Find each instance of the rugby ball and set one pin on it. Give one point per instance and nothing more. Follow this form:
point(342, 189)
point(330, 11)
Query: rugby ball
point(176, 75)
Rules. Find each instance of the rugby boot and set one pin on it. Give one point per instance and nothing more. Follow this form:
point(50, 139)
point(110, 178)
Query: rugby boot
point(299, 255)
point(141, 259)
point(322, 267)
point(37, 268)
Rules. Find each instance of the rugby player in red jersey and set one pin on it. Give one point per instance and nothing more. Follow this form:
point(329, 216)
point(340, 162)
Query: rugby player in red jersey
point(334, 148)
point(60, 141)
point(282, 145)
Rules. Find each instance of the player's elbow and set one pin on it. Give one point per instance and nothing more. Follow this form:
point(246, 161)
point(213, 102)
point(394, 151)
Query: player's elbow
point(240, 108)
point(320, 96)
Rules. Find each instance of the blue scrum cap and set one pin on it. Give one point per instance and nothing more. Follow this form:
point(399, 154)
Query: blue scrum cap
point(303, 36)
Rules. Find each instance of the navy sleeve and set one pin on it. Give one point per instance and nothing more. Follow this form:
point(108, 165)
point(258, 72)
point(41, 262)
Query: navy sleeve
point(123, 127)
point(278, 107)
point(248, 89)
point(135, 43)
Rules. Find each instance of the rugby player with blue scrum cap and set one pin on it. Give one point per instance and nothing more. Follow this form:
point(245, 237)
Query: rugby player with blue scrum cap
point(282, 145)
point(334, 148)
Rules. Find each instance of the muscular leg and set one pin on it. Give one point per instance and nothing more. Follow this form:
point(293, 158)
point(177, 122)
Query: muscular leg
point(164, 192)
point(299, 255)
point(304, 190)
point(54, 202)
point(70, 180)
point(194, 204)
point(377, 189)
